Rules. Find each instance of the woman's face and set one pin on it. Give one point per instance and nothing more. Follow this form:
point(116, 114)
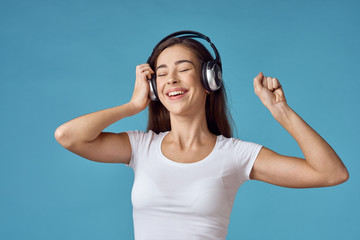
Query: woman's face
point(178, 78)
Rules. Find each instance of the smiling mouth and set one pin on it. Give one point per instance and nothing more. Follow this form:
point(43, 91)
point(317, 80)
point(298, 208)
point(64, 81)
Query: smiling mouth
point(175, 93)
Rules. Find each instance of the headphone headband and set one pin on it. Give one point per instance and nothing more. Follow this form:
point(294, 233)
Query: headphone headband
point(191, 34)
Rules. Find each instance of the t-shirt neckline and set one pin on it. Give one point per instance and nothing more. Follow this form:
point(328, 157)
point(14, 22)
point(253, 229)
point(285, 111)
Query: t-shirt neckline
point(202, 161)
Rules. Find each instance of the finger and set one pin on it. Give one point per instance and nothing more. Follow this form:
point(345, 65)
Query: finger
point(258, 82)
point(144, 71)
point(276, 83)
point(139, 67)
point(146, 75)
point(264, 81)
point(142, 67)
point(147, 70)
point(269, 83)
point(146, 67)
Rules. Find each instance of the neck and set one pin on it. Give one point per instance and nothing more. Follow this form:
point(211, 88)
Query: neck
point(189, 131)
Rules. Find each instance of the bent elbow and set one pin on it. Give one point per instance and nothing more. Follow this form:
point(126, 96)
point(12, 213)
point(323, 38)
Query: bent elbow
point(345, 176)
point(339, 178)
point(62, 138)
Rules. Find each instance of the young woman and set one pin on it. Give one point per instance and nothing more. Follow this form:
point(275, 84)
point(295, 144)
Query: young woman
point(187, 166)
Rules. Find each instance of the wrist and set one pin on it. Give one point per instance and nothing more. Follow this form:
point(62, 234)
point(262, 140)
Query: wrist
point(134, 108)
point(281, 112)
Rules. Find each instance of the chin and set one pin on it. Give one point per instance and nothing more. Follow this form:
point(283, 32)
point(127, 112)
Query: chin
point(176, 111)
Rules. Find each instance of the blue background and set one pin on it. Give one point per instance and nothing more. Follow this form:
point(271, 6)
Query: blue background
point(63, 59)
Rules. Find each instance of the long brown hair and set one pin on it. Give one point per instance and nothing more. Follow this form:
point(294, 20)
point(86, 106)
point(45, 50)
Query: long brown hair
point(217, 114)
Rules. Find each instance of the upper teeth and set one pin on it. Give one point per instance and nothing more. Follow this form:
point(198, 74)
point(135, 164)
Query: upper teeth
point(175, 93)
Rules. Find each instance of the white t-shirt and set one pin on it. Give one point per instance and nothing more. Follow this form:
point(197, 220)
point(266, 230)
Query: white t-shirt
point(173, 200)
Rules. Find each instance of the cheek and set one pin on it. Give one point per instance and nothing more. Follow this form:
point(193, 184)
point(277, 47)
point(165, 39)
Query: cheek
point(160, 84)
point(198, 77)
point(198, 82)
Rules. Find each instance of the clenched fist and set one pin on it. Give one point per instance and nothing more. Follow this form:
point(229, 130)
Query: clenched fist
point(269, 91)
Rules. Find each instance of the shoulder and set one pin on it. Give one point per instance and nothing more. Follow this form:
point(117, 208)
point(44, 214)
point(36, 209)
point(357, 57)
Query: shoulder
point(143, 133)
point(238, 145)
point(137, 136)
point(228, 141)
point(243, 153)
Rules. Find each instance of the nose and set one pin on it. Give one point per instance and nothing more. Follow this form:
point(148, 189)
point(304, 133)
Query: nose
point(173, 78)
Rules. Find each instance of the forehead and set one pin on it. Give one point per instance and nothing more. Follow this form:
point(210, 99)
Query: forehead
point(175, 53)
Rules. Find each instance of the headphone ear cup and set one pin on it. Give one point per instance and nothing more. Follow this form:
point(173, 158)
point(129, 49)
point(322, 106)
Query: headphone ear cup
point(153, 89)
point(211, 76)
point(204, 79)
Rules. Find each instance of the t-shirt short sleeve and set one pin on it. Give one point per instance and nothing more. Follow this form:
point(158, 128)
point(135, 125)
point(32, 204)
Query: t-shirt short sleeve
point(134, 137)
point(246, 153)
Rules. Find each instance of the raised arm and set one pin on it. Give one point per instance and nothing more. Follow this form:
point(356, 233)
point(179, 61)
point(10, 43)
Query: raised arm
point(321, 167)
point(83, 135)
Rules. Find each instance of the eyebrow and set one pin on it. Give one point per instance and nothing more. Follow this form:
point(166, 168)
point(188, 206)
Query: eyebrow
point(176, 63)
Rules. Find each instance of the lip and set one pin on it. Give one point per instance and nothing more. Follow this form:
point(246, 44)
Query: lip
point(175, 89)
point(177, 96)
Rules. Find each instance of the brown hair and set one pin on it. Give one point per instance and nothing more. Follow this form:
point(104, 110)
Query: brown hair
point(217, 114)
